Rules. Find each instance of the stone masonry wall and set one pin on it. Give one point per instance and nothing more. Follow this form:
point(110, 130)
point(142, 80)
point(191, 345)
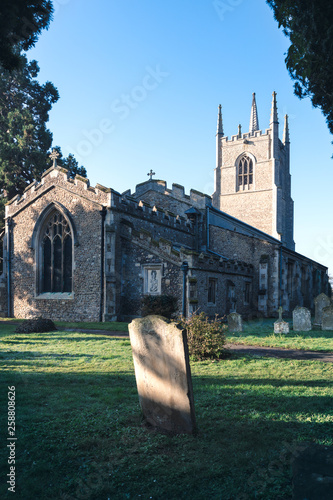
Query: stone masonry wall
point(251, 207)
point(255, 251)
point(254, 205)
point(84, 205)
point(175, 200)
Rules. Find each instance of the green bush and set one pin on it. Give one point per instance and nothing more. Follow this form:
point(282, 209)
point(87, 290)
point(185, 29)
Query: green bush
point(205, 337)
point(163, 305)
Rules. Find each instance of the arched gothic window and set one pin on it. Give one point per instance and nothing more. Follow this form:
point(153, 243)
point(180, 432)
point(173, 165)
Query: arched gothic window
point(245, 173)
point(56, 252)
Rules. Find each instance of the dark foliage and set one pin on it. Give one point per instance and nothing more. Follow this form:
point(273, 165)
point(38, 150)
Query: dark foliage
point(37, 325)
point(205, 337)
point(21, 22)
point(309, 26)
point(25, 141)
point(163, 305)
point(24, 137)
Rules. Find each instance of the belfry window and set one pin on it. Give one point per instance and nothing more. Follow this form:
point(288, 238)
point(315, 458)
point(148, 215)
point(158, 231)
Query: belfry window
point(245, 173)
point(56, 252)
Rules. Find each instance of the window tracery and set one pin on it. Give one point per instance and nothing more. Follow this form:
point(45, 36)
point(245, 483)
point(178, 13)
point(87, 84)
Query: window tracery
point(245, 173)
point(56, 252)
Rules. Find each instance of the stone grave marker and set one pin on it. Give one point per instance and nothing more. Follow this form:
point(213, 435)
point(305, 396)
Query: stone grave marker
point(320, 302)
point(301, 319)
point(235, 323)
point(162, 372)
point(327, 318)
point(281, 326)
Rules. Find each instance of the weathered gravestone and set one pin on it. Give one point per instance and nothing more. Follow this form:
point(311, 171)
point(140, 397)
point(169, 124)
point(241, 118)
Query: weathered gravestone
point(162, 372)
point(301, 319)
point(281, 326)
point(320, 302)
point(235, 323)
point(327, 318)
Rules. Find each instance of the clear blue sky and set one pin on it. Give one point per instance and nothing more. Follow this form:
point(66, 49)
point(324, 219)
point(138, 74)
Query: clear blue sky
point(140, 83)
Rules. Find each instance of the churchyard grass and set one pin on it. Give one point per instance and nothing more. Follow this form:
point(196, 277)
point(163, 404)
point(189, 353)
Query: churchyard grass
point(116, 326)
point(261, 333)
point(256, 332)
point(79, 432)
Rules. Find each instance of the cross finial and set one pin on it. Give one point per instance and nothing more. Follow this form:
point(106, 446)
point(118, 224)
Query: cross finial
point(54, 155)
point(150, 174)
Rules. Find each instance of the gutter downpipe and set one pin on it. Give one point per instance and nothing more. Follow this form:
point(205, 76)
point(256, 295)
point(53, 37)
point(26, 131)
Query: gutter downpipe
point(9, 283)
point(103, 214)
point(207, 229)
point(184, 268)
point(280, 277)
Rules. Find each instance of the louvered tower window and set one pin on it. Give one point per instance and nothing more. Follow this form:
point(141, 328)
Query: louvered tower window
point(56, 242)
point(245, 173)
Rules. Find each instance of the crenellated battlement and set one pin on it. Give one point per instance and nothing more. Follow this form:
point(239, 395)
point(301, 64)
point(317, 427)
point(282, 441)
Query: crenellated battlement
point(246, 136)
point(130, 204)
point(59, 176)
point(149, 212)
point(195, 198)
point(204, 261)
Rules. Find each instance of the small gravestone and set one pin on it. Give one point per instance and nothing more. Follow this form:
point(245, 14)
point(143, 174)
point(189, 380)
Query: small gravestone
point(281, 326)
point(327, 318)
point(235, 323)
point(320, 302)
point(162, 372)
point(301, 319)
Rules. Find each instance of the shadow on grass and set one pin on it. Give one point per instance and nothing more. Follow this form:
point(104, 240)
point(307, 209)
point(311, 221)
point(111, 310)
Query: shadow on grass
point(14, 340)
point(83, 431)
point(235, 381)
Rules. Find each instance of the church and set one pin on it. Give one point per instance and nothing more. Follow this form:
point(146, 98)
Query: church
point(74, 252)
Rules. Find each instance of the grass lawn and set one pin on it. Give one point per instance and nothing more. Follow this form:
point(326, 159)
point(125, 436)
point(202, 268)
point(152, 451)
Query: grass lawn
point(79, 433)
point(261, 333)
point(256, 332)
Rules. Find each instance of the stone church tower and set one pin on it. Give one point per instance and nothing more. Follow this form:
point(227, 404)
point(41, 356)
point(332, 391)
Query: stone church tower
point(252, 176)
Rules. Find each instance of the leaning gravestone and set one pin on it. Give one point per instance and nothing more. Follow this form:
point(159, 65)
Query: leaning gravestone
point(162, 372)
point(301, 319)
point(320, 301)
point(327, 318)
point(281, 326)
point(235, 323)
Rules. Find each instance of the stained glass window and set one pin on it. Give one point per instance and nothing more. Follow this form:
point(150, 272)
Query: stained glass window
point(56, 255)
